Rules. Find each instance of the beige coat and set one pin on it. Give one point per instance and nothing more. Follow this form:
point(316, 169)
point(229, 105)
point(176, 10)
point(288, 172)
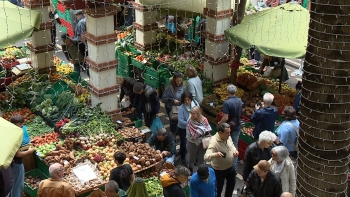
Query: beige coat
point(216, 144)
point(287, 175)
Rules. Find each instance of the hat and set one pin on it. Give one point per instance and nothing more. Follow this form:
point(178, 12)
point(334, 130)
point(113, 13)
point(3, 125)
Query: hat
point(203, 172)
point(263, 166)
point(78, 12)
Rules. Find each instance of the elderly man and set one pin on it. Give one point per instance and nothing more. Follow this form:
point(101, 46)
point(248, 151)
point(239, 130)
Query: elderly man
point(286, 194)
point(164, 141)
point(54, 186)
point(262, 182)
point(112, 190)
point(265, 116)
point(172, 184)
point(232, 110)
point(81, 25)
point(260, 150)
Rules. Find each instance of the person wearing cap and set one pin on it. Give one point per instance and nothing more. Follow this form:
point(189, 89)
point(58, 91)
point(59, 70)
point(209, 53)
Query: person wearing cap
point(203, 182)
point(164, 141)
point(172, 97)
point(283, 167)
point(74, 52)
point(172, 183)
point(262, 182)
point(260, 150)
point(221, 154)
point(81, 25)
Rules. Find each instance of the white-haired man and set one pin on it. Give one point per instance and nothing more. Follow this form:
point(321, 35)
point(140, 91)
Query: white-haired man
point(232, 110)
point(54, 186)
point(259, 150)
point(264, 116)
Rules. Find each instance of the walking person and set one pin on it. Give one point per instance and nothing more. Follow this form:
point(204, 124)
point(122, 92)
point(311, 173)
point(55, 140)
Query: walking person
point(203, 182)
point(194, 84)
point(221, 154)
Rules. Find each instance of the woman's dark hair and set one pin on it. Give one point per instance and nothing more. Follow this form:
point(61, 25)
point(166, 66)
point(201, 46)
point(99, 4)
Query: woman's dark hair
point(173, 80)
point(289, 113)
point(186, 94)
point(298, 85)
point(120, 157)
point(15, 119)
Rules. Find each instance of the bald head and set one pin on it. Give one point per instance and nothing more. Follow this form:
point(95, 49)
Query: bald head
point(56, 170)
point(286, 194)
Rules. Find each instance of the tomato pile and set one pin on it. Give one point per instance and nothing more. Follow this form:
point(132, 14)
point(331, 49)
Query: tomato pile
point(27, 115)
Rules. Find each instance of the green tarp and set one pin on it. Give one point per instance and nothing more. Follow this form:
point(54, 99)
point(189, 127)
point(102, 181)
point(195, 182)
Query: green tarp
point(16, 23)
point(281, 31)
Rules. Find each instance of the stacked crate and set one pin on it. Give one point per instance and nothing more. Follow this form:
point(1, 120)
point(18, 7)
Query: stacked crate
point(64, 16)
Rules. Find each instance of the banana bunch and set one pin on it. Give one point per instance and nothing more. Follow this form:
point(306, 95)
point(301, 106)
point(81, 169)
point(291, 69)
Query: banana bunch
point(245, 62)
point(239, 93)
point(64, 68)
point(221, 91)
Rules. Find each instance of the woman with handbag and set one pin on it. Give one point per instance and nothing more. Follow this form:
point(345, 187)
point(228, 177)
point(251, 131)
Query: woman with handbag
point(197, 128)
point(184, 113)
point(288, 131)
point(172, 99)
point(221, 154)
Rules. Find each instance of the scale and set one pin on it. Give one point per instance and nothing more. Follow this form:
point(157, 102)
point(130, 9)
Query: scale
point(21, 69)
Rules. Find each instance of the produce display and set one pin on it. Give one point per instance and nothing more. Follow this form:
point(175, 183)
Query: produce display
point(140, 156)
point(26, 113)
point(45, 139)
point(246, 79)
point(153, 187)
point(14, 52)
point(130, 133)
point(44, 149)
point(95, 140)
point(63, 154)
point(221, 91)
point(248, 130)
point(38, 127)
point(33, 181)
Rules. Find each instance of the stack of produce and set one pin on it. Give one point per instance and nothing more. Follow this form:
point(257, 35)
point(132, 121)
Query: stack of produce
point(100, 139)
point(153, 187)
point(246, 79)
point(38, 127)
point(130, 133)
point(45, 139)
point(250, 99)
point(63, 154)
point(221, 91)
point(26, 113)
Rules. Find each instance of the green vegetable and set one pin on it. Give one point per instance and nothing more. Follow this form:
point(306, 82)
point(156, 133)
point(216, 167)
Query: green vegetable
point(38, 127)
point(153, 187)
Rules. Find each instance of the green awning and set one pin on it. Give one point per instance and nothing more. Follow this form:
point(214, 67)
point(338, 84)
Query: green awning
point(16, 23)
point(10, 141)
point(281, 31)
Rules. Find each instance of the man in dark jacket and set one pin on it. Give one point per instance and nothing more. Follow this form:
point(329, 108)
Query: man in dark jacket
point(127, 89)
point(164, 141)
point(265, 116)
point(172, 184)
point(260, 150)
point(262, 182)
point(147, 99)
point(74, 52)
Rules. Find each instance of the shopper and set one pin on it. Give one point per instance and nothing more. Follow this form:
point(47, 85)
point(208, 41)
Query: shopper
point(297, 97)
point(6, 181)
point(81, 25)
point(260, 150)
point(123, 173)
point(147, 99)
point(126, 89)
point(54, 186)
point(265, 116)
point(172, 97)
point(137, 188)
point(197, 127)
point(283, 167)
point(203, 182)
point(184, 113)
point(286, 194)
point(164, 141)
point(194, 84)
point(74, 52)
point(288, 130)
point(172, 183)
point(112, 190)
point(221, 154)
point(17, 166)
point(200, 30)
point(262, 182)
point(232, 110)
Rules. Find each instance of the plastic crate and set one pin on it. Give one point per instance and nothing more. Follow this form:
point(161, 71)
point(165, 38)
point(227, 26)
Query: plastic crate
point(32, 192)
point(138, 64)
point(74, 76)
point(133, 50)
point(152, 81)
point(155, 63)
point(67, 13)
point(138, 122)
point(245, 137)
point(124, 57)
point(151, 71)
point(124, 66)
point(56, 89)
point(187, 190)
point(61, 15)
point(40, 164)
point(242, 147)
point(123, 73)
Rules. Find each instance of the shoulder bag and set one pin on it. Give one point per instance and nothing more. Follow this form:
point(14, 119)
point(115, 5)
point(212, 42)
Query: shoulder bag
point(174, 112)
point(295, 146)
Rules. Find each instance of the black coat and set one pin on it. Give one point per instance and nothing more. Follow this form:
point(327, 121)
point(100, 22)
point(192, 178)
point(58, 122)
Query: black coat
point(174, 190)
point(127, 89)
point(81, 49)
point(271, 187)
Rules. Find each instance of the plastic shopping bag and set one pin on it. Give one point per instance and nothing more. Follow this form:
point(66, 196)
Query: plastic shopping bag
point(156, 125)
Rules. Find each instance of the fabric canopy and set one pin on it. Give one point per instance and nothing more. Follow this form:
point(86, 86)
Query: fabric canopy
point(10, 141)
point(280, 31)
point(16, 23)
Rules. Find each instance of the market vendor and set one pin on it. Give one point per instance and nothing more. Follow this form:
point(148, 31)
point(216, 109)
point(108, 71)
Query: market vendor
point(127, 89)
point(164, 141)
point(182, 27)
point(276, 64)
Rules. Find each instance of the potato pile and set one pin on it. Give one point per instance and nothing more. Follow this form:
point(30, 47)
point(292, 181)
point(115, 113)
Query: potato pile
point(62, 155)
point(250, 99)
point(33, 182)
point(130, 132)
point(125, 122)
point(140, 155)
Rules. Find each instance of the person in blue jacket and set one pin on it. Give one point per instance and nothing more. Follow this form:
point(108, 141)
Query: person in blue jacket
point(203, 182)
point(297, 97)
point(183, 114)
point(264, 116)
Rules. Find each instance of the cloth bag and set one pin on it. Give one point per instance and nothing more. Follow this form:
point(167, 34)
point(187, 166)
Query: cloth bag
point(174, 113)
point(205, 141)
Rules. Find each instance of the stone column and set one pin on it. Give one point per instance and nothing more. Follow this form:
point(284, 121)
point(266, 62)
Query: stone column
point(100, 38)
point(219, 14)
point(41, 48)
point(146, 27)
